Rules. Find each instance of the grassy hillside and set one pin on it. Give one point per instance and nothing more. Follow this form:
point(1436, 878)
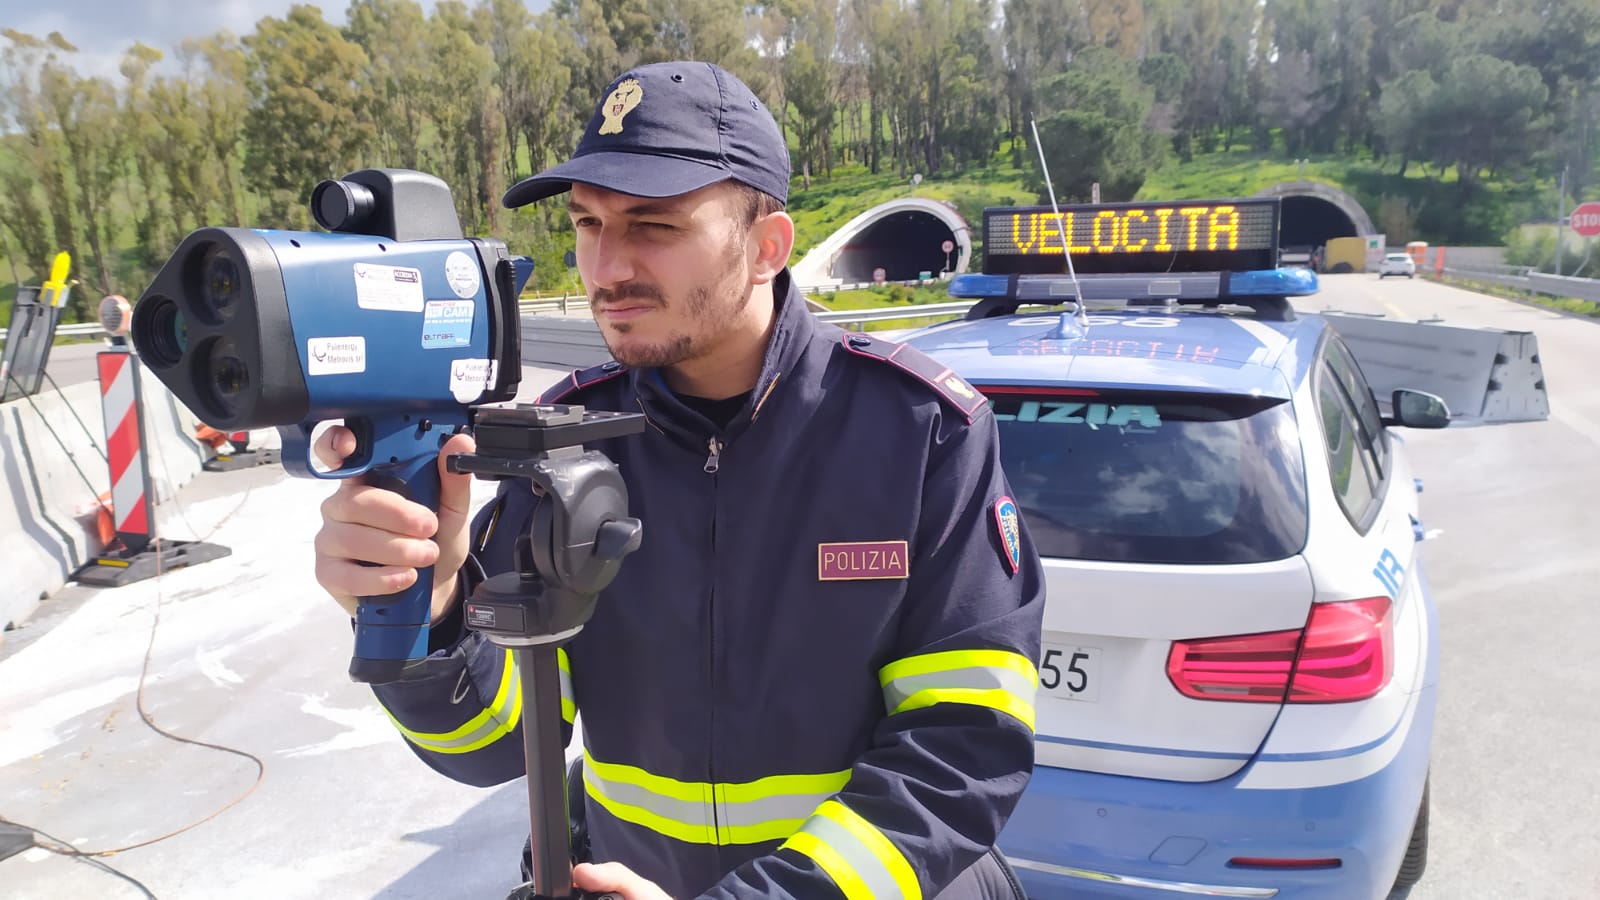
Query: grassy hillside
point(1419, 205)
point(829, 203)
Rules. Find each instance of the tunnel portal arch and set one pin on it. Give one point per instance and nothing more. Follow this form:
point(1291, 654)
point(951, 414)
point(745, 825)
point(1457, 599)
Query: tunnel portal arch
point(1314, 211)
point(903, 237)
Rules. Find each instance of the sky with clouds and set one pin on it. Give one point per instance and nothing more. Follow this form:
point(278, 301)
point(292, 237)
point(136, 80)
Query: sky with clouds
point(103, 29)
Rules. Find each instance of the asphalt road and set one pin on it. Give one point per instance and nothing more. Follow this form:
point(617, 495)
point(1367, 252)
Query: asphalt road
point(1516, 579)
point(72, 363)
point(249, 654)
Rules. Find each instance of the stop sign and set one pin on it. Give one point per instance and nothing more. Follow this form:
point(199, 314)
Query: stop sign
point(1586, 219)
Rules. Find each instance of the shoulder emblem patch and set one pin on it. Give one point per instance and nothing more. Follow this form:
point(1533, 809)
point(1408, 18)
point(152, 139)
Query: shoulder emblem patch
point(1007, 523)
point(945, 382)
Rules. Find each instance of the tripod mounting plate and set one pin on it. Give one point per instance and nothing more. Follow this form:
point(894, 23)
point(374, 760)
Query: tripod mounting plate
point(525, 432)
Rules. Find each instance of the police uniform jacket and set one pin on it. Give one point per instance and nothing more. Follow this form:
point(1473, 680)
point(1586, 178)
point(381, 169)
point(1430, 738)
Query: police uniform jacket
point(816, 676)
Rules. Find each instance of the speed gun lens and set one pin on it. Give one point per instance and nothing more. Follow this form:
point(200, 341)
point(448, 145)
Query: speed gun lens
point(161, 330)
point(219, 281)
point(228, 377)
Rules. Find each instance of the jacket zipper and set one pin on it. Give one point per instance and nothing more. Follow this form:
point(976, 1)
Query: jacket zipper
point(713, 463)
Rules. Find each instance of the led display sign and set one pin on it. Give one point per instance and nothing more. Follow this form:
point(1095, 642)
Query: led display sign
point(1186, 236)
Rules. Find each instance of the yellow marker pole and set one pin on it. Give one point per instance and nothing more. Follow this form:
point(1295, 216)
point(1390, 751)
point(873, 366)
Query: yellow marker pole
point(54, 291)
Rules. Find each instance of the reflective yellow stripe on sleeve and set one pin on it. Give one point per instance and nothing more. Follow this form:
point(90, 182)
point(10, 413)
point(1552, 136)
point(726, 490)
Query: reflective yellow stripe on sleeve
point(999, 679)
point(863, 863)
point(493, 722)
point(569, 708)
point(697, 812)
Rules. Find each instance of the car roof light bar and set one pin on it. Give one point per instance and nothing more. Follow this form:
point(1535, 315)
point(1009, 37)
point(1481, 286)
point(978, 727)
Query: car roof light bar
point(1264, 291)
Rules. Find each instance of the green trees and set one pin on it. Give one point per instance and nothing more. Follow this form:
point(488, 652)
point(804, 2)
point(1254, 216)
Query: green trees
point(463, 105)
point(391, 33)
point(308, 120)
point(1092, 125)
point(65, 150)
point(230, 130)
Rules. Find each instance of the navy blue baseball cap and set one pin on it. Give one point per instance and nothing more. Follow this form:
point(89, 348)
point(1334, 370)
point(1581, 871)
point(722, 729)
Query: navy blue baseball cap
point(667, 129)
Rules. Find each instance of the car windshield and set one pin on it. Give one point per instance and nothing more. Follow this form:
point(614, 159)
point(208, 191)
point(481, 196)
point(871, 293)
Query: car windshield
point(1154, 478)
point(1398, 257)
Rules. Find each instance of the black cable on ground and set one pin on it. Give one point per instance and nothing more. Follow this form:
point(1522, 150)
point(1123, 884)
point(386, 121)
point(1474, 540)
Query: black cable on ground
point(62, 848)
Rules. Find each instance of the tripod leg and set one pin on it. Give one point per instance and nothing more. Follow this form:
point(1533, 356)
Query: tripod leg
point(541, 740)
point(550, 858)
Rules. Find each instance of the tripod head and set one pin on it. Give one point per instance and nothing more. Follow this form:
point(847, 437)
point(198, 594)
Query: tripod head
point(578, 538)
point(580, 530)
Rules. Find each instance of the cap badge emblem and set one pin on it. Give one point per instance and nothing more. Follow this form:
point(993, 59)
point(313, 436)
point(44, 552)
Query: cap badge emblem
point(623, 98)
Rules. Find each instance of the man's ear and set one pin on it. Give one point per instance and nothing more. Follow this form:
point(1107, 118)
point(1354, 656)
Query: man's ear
point(772, 240)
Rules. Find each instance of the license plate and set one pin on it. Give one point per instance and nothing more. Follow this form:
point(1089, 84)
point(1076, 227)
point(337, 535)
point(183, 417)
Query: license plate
point(1068, 672)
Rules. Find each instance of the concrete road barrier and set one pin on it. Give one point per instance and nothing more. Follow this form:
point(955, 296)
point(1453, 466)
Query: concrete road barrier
point(1482, 374)
point(53, 465)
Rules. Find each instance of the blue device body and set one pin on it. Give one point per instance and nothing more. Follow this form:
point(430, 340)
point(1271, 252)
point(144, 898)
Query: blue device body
point(396, 338)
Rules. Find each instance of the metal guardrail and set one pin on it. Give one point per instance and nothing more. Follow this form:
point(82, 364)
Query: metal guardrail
point(836, 316)
point(1564, 286)
point(887, 313)
point(1524, 279)
point(527, 307)
point(562, 305)
point(545, 305)
point(1519, 277)
point(82, 329)
point(865, 285)
point(1502, 279)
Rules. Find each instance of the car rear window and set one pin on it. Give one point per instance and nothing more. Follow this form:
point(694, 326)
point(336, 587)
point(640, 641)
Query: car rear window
point(1154, 478)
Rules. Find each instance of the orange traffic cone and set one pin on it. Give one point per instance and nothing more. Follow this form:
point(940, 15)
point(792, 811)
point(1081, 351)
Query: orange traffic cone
point(105, 526)
point(205, 434)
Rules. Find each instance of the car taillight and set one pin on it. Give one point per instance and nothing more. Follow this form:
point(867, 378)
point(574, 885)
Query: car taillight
point(1348, 653)
point(1345, 652)
point(1253, 667)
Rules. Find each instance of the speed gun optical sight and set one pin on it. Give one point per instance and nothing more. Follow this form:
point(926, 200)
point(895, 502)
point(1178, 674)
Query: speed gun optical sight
point(393, 322)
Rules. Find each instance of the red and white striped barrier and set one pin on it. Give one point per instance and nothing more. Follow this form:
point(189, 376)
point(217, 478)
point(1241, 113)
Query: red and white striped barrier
point(130, 473)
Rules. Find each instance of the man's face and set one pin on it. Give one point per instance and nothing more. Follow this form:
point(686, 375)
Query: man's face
point(667, 278)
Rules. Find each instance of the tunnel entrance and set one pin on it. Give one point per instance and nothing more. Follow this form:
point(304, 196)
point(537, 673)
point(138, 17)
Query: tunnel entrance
point(1309, 222)
point(904, 244)
point(1313, 213)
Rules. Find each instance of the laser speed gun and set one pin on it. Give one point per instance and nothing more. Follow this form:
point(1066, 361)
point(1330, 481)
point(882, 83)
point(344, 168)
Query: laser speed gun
point(394, 322)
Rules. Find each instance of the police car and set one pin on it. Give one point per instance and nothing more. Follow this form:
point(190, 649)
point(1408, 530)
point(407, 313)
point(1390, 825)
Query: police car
point(1238, 677)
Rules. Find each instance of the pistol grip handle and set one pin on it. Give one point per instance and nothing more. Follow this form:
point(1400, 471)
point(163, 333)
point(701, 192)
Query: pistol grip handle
point(392, 630)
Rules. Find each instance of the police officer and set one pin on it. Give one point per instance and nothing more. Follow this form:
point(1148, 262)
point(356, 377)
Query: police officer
point(816, 677)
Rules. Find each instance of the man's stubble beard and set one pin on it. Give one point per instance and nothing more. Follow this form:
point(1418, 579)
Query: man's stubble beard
point(700, 306)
